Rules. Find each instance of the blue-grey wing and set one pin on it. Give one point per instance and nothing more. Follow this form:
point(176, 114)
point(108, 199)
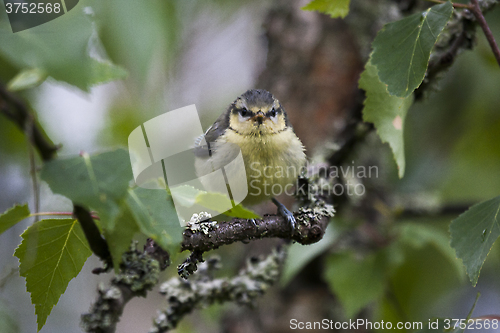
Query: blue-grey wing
point(201, 147)
point(204, 145)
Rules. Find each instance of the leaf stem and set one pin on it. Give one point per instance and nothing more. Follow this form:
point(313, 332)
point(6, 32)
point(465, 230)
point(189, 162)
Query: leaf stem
point(94, 216)
point(31, 153)
point(478, 13)
point(455, 5)
point(18, 112)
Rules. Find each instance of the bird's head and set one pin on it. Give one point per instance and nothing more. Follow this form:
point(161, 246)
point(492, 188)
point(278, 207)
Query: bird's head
point(257, 112)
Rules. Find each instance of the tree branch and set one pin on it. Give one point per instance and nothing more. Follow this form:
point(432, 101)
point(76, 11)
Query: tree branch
point(478, 13)
point(202, 290)
point(311, 228)
point(139, 273)
point(455, 5)
point(17, 111)
point(97, 243)
point(354, 132)
point(459, 35)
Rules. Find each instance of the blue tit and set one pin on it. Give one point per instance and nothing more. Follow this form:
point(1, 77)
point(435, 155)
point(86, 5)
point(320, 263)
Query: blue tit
point(273, 155)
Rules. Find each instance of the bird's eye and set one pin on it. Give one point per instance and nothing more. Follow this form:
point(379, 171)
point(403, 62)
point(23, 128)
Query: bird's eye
point(244, 112)
point(272, 113)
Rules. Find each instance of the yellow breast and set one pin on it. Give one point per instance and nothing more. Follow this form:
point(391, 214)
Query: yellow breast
point(272, 162)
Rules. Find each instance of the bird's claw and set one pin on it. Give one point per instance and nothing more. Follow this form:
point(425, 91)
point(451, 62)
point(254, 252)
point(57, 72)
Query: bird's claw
point(254, 222)
point(287, 215)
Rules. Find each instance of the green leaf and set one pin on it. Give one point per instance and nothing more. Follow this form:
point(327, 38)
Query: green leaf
point(52, 253)
point(156, 217)
point(356, 281)
point(126, 44)
point(386, 112)
point(241, 212)
point(300, 255)
point(26, 79)
point(105, 71)
point(59, 47)
point(218, 202)
point(13, 215)
point(334, 8)
point(150, 211)
point(188, 196)
point(98, 182)
point(418, 235)
point(402, 49)
point(473, 234)
point(120, 238)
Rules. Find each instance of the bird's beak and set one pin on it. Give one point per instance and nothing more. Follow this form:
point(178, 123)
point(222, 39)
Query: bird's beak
point(259, 117)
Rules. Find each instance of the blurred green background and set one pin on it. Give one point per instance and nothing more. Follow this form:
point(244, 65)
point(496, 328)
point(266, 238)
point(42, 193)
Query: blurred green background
point(177, 53)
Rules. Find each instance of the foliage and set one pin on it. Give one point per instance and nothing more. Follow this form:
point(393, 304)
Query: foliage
point(51, 254)
point(12, 216)
point(386, 112)
point(101, 182)
point(58, 46)
point(402, 49)
point(473, 234)
point(189, 196)
point(359, 279)
point(334, 8)
point(87, 48)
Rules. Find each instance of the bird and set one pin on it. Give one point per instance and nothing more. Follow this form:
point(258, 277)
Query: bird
point(273, 155)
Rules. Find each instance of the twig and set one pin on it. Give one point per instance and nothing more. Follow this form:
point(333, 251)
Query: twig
point(312, 226)
point(139, 273)
point(353, 132)
point(310, 230)
point(97, 243)
point(189, 266)
point(34, 178)
point(487, 317)
point(3, 281)
point(478, 13)
point(202, 290)
point(15, 109)
point(444, 57)
point(455, 5)
point(453, 210)
point(93, 214)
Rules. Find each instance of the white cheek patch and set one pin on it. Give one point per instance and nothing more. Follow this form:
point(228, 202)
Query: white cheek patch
point(242, 119)
point(274, 119)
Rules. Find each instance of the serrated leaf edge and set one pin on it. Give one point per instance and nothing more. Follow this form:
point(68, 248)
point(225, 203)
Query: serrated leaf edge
point(472, 279)
point(40, 325)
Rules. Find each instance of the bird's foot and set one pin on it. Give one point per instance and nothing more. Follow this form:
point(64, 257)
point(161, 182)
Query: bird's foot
point(287, 215)
point(254, 222)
